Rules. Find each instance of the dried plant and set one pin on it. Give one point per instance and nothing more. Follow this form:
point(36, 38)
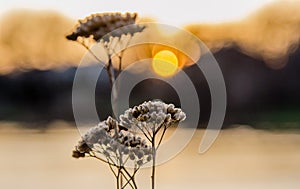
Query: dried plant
point(108, 30)
point(119, 143)
point(97, 26)
point(111, 143)
point(150, 118)
point(136, 137)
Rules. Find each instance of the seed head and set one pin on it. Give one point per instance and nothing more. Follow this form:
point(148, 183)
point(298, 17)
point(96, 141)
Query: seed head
point(98, 25)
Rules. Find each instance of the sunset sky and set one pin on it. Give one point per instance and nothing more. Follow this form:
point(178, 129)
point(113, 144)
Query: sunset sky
point(177, 12)
point(262, 29)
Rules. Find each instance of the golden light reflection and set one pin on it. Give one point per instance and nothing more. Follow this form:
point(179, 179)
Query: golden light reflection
point(36, 39)
point(149, 51)
point(165, 63)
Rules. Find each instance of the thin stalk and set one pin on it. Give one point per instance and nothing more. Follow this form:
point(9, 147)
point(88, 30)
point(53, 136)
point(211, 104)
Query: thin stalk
point(120, 64)
point(127, 181)
point(109, 68)
point(110, 73)
point(162, 136)
point(134, 172)
point(94, 156)
point(131, 176)
point(112, 170)
point(154, 150)
point(122, 52)
point(145, 134)
point(121, 180)
point(130, 180)
point(153, 162)
point(118, 178)
point(91, 52)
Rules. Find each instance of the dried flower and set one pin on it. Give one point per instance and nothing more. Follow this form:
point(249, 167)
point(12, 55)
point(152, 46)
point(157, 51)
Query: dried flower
point(117, 143)
point(98, 25)
point(151, 115)
point(112, 141)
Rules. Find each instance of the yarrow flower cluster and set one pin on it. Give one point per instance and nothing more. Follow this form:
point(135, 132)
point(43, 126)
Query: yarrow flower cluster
point(110, 31)
point(151, 116)
point(98, 25)
point(113, 142)
point(120, 142)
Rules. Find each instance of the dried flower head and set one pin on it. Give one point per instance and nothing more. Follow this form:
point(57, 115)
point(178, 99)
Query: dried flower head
point(97, 26)
point(117, 143)
point(111, 140)
point(151, 115)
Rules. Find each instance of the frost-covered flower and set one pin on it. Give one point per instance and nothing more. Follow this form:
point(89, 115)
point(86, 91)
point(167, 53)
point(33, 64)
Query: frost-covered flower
point(117, 142)
point(114, 142)
point(151, 115)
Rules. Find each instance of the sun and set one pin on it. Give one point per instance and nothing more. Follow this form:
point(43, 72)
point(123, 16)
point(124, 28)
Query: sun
point(165, 63)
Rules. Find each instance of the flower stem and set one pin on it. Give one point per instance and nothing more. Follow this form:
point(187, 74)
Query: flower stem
point(118, 180)
point(110, 73)
point(153, 162)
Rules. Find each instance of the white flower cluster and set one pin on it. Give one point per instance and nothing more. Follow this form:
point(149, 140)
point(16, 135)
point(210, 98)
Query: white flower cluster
point(115, 143)
point(119, 143)
point(151, 116)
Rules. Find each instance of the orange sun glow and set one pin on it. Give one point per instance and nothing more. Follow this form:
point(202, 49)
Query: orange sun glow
point(165, 63)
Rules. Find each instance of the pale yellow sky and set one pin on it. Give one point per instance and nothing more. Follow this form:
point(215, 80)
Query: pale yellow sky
point(172, 12)
point(257, 35)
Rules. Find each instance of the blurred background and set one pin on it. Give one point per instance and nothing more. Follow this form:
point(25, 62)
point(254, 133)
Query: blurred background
point(256, 44)
point(257, 53)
